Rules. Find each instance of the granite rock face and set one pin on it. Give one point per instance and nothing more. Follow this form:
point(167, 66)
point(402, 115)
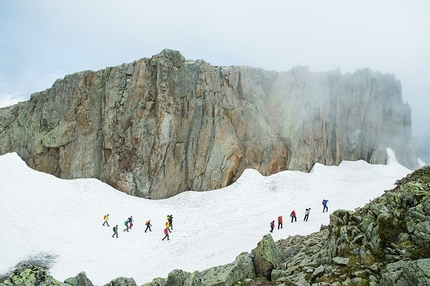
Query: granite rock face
point(160, 126)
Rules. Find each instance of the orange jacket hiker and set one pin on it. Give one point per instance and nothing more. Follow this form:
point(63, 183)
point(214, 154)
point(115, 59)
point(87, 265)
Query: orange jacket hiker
point(280, 222)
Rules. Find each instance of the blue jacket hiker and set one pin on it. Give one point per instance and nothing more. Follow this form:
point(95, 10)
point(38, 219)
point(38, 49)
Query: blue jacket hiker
point(325, 207)
point(130, 222)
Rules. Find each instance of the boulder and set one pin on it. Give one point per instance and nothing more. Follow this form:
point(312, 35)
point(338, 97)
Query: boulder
point(156, 282)
point(79, 280)
point(266, 256)
point(318, 272)
point(195, 279)
point(341, 261)
point(241, 268)
point(177, 277)
point(122, 281)
point(277, 274)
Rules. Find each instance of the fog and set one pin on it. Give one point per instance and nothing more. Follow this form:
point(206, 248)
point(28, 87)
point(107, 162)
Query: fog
point(46, 40)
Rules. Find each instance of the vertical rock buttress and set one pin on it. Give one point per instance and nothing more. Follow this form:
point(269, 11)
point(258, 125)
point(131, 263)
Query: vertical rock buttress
point(160, 126)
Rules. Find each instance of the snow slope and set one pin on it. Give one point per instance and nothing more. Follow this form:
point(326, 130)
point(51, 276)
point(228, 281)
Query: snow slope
point(44, 217)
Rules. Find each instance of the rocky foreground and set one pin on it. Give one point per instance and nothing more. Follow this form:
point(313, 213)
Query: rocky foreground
point(386, 242)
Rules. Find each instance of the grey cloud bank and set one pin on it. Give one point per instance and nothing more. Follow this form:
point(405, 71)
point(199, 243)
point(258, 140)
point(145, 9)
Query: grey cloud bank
point(43, 41)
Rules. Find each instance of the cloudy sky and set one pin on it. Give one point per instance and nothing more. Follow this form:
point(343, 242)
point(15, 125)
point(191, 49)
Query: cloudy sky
point(45, 40)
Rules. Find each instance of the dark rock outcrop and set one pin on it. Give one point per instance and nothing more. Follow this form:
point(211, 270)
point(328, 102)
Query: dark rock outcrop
point(241, 268)
point(387, 242)
point(156, 127)
point(27, 274)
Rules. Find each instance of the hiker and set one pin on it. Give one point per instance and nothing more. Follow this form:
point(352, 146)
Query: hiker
point(130, 221)
point(106, 218)
point(324, 203)
point(126, 225)
point(148, 225)
point(307, 212)
point(166, 232)
point(279, 221)
point(293, 216)
point(272, 225)
point(115, 231)
point(170, 220)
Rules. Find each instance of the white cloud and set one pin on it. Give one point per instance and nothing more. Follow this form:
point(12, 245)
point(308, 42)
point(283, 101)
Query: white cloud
point(8, 99)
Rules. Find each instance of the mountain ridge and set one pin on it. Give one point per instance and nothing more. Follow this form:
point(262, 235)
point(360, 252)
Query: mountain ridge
point(160, 126)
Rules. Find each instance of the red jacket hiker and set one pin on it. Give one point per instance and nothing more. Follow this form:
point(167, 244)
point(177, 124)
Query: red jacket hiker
point(293, 216)
point(166, 232)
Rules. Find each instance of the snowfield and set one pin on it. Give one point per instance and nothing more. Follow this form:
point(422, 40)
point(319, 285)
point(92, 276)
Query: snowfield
point(60, 221)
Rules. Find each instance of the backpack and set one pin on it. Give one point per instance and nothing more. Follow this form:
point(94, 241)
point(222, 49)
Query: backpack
point(104, 217)
point(126, 222)
point(113, 229)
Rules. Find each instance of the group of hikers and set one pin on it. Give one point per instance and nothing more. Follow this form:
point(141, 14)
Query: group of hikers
point(293, 216)
point(168, 228)
point(128, 223)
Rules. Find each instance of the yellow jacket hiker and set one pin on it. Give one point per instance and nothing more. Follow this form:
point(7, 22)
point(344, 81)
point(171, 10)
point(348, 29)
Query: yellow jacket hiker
point(106, 218)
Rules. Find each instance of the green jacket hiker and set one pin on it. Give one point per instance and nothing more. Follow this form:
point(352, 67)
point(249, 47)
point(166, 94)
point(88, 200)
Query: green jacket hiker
point(115, 231)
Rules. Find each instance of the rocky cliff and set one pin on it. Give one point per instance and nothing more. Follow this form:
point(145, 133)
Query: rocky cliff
point(159, 126)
